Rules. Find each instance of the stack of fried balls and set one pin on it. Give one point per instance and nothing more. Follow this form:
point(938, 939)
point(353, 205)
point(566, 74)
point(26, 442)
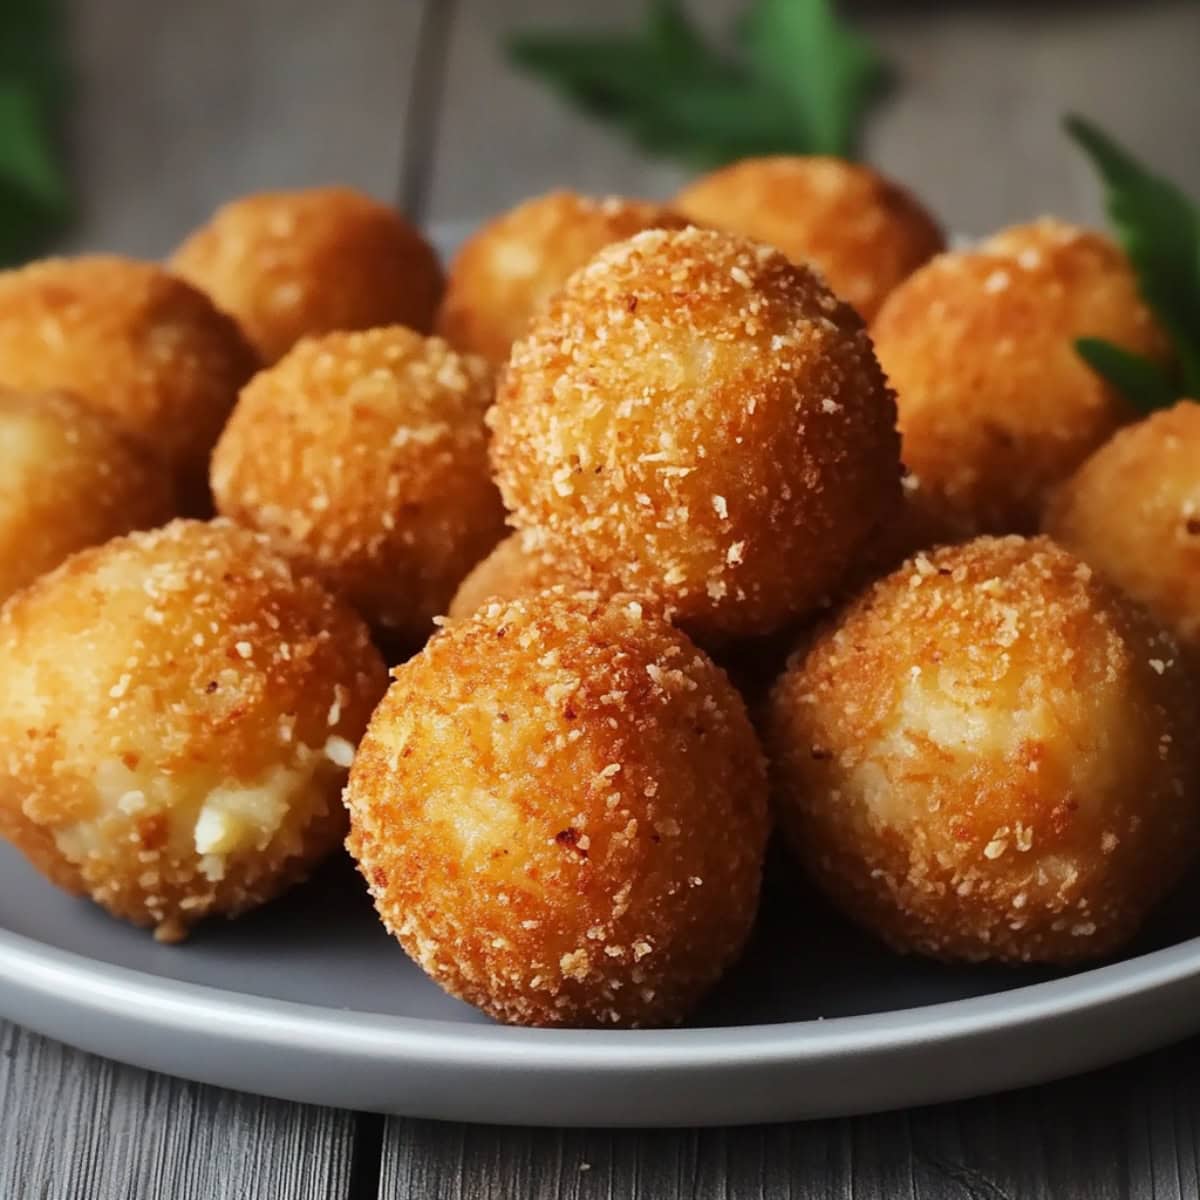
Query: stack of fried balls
point(684, 522)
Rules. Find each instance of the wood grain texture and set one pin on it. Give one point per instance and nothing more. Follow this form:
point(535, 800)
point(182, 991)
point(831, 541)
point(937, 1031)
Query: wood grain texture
point(1127, 1133)
point(974, 126)
point(182, 106)
point(75, 1127)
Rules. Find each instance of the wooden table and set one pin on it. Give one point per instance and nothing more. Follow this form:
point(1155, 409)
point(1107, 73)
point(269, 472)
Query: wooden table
point(184, 105)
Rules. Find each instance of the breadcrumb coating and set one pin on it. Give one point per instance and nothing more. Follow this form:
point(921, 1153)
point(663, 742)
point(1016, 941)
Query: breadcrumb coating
point(560, 810)
point(698, 419)
point(519, 566)
point(861, 230)
point(131, 341)
point(507, 270)
point(991, 755)
point(366, 455)
point(996, 406)
point(179, 711)
point(68, 479)
point(1133, 511)
point(296, 264)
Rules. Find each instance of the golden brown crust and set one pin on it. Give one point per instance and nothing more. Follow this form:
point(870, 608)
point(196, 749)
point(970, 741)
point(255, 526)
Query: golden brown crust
point(131, 341)
point(519, 566)
point(296, 264)
point(366, 455)
point(68, 479)
point(996, 406)
point(702, 421)
point(991, 755)
point(1133, 511)
point(862, 231)
point(178, 713)
point(560, 811)
point(507, 270)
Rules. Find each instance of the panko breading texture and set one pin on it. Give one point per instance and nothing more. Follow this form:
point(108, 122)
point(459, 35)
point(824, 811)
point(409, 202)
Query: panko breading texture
point(366, 454)
point(1133, 511)
point(996, 406)
point(516, 568)
point(560, 810)
point(68, 479)
point(504, 274)
point(178, 714)
point(991, 755)
point(700, 420)
point(863, 232)
point(131, 341)
point(296, 264)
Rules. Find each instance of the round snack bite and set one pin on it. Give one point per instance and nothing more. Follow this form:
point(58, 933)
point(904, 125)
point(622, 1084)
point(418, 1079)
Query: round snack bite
point(294, 264)
point(863, 232)
point(1133, 511)
point(702, 421)
point(131, 341)
point(506, 272)
point(518, 567)
point(366, 455)
point(991, 755)
point(68, 479)
point(996, 406)
point(560, 811)
point(178, 714)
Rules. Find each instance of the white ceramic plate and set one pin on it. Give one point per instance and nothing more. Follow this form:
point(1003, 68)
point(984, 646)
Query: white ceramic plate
point(309, 1000)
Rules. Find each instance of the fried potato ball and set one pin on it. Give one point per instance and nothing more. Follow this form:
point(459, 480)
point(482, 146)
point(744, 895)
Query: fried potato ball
point(296, 264)
point(131, 341)
point(178, 713)
point(990, 755)
point(365, 454)
point(518, 567)
point(996, 406)
point(560, 810)
point(863, 232)
point(507, 271)
point(1133, 512)
point(68, 479)
point(700, 420)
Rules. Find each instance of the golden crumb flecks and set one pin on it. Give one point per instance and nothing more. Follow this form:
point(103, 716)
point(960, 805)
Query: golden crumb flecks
point(365, 454)
point(696, 418)
point(991, 755)
point(296, 264)
point(179, 712)
point(560, 810)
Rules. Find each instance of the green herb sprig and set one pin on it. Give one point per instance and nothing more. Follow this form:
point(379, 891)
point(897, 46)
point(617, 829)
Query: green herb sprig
point(797, 82)
point(1159, 228)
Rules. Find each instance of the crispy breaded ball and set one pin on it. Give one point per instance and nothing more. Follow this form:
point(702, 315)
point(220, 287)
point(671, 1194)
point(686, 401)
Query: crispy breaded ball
point(702, 421)
point(862, 231)
point(296, 264)
point(991, 755)
point(178, 713)
point(506, 271)
point(518, 567)
point(1133, 511)
point(68, 479)
point(996, 406)
point(560, 810)
point(366, 455)
point(131, 341)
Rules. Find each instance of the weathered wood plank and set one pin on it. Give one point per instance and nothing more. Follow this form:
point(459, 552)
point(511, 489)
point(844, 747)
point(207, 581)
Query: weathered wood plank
point(974, 126)
point(182, 106)
point(72, 1125)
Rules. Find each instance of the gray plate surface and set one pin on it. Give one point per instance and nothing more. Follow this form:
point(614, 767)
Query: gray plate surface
point(308, 999)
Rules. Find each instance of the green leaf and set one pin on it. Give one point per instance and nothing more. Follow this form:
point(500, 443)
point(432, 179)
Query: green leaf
point(828, 74)
point(676, 95)
point(1143, 383)
point(1159, 228)
point(27, 162)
